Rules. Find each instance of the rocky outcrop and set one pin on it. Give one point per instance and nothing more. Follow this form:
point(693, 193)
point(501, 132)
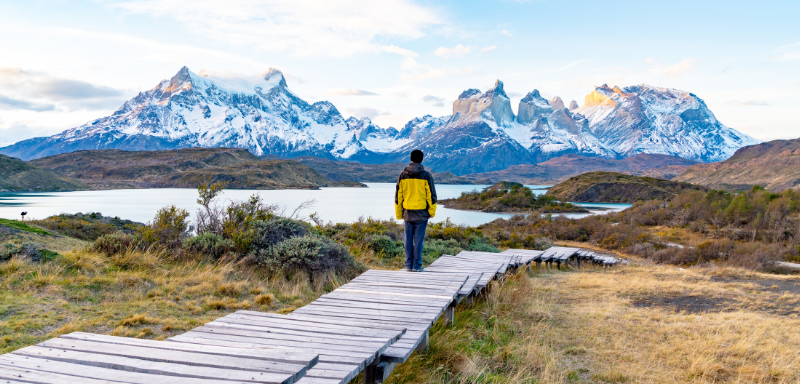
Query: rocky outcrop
point(556, 103)
point(573, 105)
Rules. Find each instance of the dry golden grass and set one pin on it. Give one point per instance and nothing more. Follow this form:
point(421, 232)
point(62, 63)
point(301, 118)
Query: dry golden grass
point(137, 294)
point(632, 324)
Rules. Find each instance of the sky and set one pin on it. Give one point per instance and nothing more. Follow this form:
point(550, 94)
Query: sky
point(63, 63)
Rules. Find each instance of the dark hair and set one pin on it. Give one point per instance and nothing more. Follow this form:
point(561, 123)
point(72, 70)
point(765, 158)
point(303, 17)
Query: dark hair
point(416, 156)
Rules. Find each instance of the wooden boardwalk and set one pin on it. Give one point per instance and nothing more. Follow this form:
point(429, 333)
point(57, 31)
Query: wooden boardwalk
point(366, 326)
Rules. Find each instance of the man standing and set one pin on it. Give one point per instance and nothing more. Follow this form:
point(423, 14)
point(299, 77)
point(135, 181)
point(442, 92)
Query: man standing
point(415, 203)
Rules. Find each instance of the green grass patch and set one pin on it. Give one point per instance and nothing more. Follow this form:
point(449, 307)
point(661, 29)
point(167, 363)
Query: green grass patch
point(23, 227)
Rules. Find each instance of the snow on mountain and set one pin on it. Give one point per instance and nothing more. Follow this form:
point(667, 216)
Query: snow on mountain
point(483, 134)
point(647, 119)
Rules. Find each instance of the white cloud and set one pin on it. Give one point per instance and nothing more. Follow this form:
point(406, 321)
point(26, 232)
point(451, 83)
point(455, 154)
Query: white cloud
point(681, 68)
point(457, 51)
point(748, 103)
point(400, 51)
point(39, 91)
point(489, 48)
point(421, 72)
point(507, 32)
point(368, 112)
point(350, 92)
point(304, 27)
point(433, 100)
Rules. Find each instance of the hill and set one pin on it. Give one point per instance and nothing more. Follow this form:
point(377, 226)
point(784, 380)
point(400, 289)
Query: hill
point(774, 165)
point(611, 187)
point(508, 197)
point(183, 168)
point(19, 176)
point(560, 168)
point(371, 173)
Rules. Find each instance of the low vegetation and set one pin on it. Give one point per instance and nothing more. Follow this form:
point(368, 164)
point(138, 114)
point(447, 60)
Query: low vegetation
point(88, 226)
point(629, 324)
point(507, 196)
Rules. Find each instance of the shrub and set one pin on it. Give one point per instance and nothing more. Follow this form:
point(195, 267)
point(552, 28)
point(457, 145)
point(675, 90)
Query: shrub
point(384, 245)
point(276, 230)
point(435, 248)
point(28, 251)
point(209, 244)
point(114, 243)
point(168, 228)
point(87, 226)
point(309, 253)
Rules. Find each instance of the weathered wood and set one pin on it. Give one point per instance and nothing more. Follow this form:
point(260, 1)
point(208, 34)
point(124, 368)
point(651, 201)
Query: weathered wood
point(287, 356)
point(50, 371)
point(154, 368)
point(422, 345)
point(449, 315)
point(370, 374)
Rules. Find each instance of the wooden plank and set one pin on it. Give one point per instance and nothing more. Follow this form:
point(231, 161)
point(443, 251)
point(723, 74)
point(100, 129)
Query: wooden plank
point(315, 380)
point(289, 324)
point(325, 355)
point(49, 371)
point(324, 320)
point(288, 356)
point(153, 368)
point(316, 348)
point(177, 357)
point(377, 298)
point(310, 342)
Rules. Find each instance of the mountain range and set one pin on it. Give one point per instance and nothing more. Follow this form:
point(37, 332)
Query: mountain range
point(483, 134)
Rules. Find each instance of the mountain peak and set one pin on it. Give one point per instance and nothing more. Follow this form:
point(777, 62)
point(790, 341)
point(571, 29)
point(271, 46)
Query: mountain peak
point(557, 103)
point(497, 90)
point(180, 80)
point(470, 93)
point(274, 75)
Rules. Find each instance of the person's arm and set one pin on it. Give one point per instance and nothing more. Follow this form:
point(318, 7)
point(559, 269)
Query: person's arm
point(398, 200)
point(432, 198)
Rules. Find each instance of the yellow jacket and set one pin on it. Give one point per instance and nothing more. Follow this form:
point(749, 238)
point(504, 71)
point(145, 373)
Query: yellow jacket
point(415, 194)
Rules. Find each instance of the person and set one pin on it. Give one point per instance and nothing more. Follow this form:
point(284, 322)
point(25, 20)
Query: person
point(415, 203)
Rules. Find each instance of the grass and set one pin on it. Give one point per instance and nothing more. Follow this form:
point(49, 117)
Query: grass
point(590, 327)
point(137, 294)
point(23, 227)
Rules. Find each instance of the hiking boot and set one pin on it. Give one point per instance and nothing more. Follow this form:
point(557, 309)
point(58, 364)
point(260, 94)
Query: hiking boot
point(419, 270)
point(409, 270)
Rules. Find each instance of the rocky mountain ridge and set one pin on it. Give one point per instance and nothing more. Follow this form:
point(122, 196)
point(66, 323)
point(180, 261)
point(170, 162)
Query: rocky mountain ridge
point(483, 134)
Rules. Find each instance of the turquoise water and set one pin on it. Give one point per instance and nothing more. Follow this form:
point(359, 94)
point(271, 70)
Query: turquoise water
point(331, 204)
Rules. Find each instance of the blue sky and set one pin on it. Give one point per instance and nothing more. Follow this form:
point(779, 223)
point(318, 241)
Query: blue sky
point(64, 63)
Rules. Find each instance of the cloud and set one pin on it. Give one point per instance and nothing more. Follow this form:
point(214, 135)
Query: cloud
point(514, 94)
point(489, 48)
point(350, 92)
point(42, 85)
point(435, 101)
point(507, 32)
point(457, 51)
point(367, 112)
point(400, 51)
point(681, 68)
point(748, 103)
point(39, 91)
point(400, 94)
point(304, 27)
point(10, 103)
point(421, 72)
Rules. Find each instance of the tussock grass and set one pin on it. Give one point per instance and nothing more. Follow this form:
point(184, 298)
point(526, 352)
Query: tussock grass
point(137, 294)
point(585, 327)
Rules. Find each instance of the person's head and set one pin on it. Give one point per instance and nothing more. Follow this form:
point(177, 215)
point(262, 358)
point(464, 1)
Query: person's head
point(416, 156)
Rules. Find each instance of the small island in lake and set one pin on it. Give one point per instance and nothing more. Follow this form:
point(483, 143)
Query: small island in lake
point(509, 197)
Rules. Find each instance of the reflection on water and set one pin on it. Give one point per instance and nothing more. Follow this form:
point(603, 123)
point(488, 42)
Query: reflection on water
point(332, 204)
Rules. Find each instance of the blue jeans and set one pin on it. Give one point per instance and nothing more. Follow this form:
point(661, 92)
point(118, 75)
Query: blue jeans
point(415, 238)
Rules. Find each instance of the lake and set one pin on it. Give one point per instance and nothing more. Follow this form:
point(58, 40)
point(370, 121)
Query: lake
point(332, 204)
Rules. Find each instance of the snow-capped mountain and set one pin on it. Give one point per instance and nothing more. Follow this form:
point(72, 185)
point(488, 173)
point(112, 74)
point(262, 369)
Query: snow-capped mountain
point(647, 119)
point(260, 114)
point(483, 134)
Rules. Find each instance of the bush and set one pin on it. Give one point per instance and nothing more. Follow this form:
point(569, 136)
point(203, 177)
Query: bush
point(435, 248)
point(309, 253)
point(87, 226)
point(29, 251)
point(209, 244)
point(386, 246)
point(276, 230)
point(481, 244)
point(168, 228)
point(114, 243)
